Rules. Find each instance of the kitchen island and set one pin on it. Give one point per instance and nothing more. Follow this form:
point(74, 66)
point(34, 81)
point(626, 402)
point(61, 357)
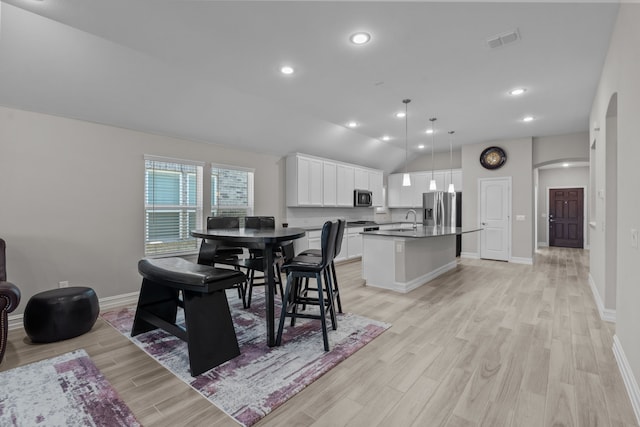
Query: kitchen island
point(404, 259)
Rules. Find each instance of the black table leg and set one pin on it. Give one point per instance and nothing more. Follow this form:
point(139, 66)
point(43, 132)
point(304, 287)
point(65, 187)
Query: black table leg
point(270, 291)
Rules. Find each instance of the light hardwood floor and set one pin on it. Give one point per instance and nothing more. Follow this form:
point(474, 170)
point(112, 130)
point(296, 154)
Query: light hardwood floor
point(487, 344)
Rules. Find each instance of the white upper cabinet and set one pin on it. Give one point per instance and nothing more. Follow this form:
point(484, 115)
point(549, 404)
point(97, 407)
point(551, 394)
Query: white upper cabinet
point(411, 197)
point(457, 179)
point(329, 186)
point(346, 185)
point(441, 177)
point(399, 196)
point(304, 181)
point(313, 181)
point(419, 184)
point(361, 179)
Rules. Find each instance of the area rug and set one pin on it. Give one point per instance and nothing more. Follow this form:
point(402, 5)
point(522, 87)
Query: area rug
point(67, 390)
point(253, 384)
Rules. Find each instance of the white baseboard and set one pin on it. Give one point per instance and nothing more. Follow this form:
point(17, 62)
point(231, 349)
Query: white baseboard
point(119, 300)
point(542, 244)
point(16, 321)
point(418, 281)
point(627, 376)
point(606, 314)
point(521, 260)
point(470, 255)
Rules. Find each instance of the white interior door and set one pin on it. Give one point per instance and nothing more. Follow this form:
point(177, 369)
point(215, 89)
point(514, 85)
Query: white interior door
point(495, 218)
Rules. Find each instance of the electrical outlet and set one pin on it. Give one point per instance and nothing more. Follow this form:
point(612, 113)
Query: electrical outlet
point(520, 217)
point(634, 238)
point(63, 284)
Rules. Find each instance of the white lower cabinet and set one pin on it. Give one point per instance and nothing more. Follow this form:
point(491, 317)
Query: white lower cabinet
point(351, 243)
point(354, 242)
point(314, 239)
point(343, 249)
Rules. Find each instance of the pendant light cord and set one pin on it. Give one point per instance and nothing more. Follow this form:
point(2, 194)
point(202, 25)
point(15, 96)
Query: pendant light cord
point(451, 132)
point(433, 142)
point(406, 133)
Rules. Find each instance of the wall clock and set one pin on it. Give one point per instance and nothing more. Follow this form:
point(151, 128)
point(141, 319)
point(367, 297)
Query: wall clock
point(493, 157)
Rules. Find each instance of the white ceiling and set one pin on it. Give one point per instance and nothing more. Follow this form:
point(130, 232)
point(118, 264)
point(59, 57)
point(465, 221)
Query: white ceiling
point(208, 70)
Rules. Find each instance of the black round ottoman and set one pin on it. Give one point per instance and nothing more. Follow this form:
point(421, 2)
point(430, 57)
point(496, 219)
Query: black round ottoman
point(60, 314)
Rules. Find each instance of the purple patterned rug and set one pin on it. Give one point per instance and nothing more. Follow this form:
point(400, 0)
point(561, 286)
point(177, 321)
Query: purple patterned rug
point(259, 380)
point(67, 390)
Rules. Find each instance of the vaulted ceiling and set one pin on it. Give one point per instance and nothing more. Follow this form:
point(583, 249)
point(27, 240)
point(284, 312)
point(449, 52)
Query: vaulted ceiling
point(210, 70)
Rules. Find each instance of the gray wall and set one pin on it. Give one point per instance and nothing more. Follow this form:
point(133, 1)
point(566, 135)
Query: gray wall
point(519, 168)
point(551, 149)
point(440, 161)
point(558, 178)
point(620, 76)
point(72, 198)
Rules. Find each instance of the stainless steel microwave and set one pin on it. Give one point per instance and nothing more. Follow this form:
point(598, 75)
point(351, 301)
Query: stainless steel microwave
point(361, 198)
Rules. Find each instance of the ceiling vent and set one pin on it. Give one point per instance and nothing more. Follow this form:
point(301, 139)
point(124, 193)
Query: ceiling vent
point(503, 39)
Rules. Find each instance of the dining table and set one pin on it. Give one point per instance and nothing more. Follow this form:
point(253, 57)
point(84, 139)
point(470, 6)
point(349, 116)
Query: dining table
point(265, 239)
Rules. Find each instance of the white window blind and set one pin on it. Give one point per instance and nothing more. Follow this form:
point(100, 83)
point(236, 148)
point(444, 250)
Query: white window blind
point(173, 205)
point(231, 191)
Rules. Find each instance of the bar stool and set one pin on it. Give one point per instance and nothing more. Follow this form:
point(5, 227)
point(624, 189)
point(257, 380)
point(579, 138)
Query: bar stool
point(316, 253)
point(304, 267)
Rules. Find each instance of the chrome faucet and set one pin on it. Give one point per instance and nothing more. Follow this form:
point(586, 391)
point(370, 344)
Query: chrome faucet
point(415, 218)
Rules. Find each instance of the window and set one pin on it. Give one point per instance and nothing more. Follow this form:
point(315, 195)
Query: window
point(173, 205)
point(231, 191)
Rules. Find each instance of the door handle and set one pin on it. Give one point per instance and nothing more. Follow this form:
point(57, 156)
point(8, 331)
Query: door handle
point(552, 220)
point(484, 223)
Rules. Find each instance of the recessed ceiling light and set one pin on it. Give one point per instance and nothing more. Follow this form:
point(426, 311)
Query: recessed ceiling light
point(518, 91)
point(287, 69)
point(386, 138)
point(401, 114)
point(566, 165)
point(360, 38)
point(527, 119)
point(429, 131)
point(421, 146)
point(352, 124)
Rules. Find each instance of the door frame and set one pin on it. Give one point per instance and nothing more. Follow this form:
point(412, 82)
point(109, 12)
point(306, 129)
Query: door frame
point(509, 182)
point(585, 196)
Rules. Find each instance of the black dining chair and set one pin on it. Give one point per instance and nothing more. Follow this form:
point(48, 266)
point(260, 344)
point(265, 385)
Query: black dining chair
point(304, 267)
point(212, 254)
point(255, 263)
point(332, 268)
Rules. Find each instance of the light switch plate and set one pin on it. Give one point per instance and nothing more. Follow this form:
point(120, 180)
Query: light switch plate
point(520, 217)
point(634, 238)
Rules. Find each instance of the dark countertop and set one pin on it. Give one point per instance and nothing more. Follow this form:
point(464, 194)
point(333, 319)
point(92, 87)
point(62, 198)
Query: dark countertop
point(355, 224)
point(421, 232)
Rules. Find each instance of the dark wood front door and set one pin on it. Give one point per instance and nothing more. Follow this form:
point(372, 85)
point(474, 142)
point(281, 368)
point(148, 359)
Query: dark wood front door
point(566, 217)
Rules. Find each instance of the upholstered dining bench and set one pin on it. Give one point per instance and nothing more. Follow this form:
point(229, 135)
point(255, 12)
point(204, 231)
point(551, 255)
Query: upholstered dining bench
point(208, 331)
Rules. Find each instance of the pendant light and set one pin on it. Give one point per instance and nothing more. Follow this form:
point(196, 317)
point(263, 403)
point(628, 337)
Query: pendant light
point(432, 184)
point(406, 178)
point(452, 188)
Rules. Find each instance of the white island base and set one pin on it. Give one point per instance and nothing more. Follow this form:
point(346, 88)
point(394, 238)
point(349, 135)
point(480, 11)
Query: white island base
point(402, 264)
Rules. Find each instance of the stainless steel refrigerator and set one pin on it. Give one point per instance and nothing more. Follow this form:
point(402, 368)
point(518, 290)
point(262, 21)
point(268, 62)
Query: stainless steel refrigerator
point(443, 209)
